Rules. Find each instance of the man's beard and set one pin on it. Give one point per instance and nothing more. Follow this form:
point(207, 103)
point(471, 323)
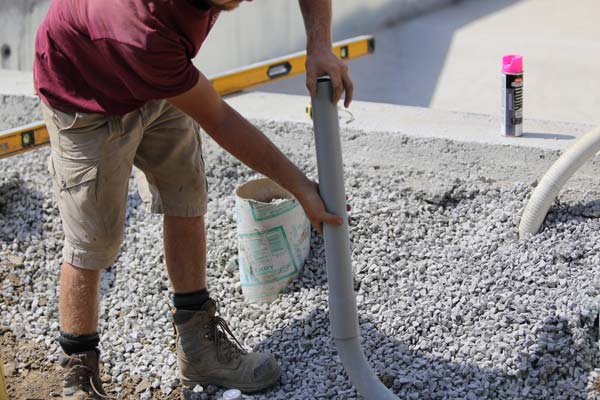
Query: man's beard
point(206, 4)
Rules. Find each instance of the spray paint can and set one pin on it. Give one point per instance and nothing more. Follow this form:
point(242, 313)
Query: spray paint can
point(512, 95)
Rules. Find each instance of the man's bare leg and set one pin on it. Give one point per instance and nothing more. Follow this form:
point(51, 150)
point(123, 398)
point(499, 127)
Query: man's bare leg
point(185, 256)
point(79, 297)
point(185, 253)
point(79, 289)
point(204, 357)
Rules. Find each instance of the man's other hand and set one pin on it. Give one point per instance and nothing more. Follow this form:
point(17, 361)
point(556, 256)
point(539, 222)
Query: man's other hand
point(324, 62)
point(313, 206)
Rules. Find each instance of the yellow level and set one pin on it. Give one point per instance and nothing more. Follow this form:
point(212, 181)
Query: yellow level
point(23, 138)
point(285, 67)
point(29, 137)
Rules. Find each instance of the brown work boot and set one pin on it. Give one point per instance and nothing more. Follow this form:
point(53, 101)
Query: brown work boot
point(82, 377)
point(207, 356)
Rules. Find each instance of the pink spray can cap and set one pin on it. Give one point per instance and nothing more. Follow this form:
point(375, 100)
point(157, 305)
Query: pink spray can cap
point(512, 64)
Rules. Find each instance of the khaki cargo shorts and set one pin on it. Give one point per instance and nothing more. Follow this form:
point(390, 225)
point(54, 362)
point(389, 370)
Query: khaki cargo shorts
point(91, 163)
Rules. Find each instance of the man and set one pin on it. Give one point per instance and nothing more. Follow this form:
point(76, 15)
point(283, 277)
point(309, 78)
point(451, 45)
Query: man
point(119, 89)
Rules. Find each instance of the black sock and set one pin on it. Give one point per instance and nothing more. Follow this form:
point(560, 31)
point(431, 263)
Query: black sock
point(190, 301)
point(72, 344)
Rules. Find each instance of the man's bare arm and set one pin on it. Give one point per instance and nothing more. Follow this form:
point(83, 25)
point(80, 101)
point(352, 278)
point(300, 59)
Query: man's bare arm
point(317, 21)
point(320, 59)
point(249, 145)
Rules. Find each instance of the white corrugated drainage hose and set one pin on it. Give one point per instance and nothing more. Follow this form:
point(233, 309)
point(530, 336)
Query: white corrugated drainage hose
point(342, 302)
point(557, 176)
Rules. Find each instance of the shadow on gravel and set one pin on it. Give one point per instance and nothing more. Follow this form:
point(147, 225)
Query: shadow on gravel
point(21, 210)
point(590, 209)
point(553, 367)
point(562, 212)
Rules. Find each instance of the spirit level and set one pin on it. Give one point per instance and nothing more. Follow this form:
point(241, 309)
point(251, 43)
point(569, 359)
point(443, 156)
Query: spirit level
point(285, 67)
point(23, 138)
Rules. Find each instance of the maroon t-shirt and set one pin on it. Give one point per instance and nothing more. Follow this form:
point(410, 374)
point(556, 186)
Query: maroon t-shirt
point(112, 56)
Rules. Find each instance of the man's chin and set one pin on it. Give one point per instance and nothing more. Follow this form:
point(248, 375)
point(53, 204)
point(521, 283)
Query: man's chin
point(232, 5)
point(227, 8)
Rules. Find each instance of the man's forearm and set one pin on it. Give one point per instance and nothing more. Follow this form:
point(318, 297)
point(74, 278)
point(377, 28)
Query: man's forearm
point(239, 137)
point(317, 21)
point(249, 145)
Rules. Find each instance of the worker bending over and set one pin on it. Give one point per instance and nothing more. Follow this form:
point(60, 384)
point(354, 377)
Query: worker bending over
point(119, 90)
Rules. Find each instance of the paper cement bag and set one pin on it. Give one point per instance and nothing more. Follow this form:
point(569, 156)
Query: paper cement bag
point(273, 238)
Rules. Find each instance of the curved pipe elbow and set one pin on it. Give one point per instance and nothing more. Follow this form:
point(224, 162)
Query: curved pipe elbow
point(360, 373)
point(553, 181)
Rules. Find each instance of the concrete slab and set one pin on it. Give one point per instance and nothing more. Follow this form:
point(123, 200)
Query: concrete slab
point(16, 91)
point(450, 59)
point(412, 121)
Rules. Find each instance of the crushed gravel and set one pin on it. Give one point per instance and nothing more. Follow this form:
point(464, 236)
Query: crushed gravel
point(452, 304)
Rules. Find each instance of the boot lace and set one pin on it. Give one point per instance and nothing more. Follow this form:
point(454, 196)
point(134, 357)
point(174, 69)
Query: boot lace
point(82, 372)
point(221, 334)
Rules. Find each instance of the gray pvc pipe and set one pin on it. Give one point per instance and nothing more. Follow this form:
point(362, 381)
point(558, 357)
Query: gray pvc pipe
point(343, 314)
point(584, 148)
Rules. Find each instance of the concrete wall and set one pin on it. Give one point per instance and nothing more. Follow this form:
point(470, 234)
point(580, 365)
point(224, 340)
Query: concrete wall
point(256, 31)
point(19, 20)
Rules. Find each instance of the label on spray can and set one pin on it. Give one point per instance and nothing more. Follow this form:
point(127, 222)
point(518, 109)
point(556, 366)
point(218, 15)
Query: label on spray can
point(513, 105)
point(512, 96)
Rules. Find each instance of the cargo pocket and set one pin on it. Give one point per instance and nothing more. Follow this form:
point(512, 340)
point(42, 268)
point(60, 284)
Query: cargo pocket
point(75, 189)
point(68, 175)
point(81, 136)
